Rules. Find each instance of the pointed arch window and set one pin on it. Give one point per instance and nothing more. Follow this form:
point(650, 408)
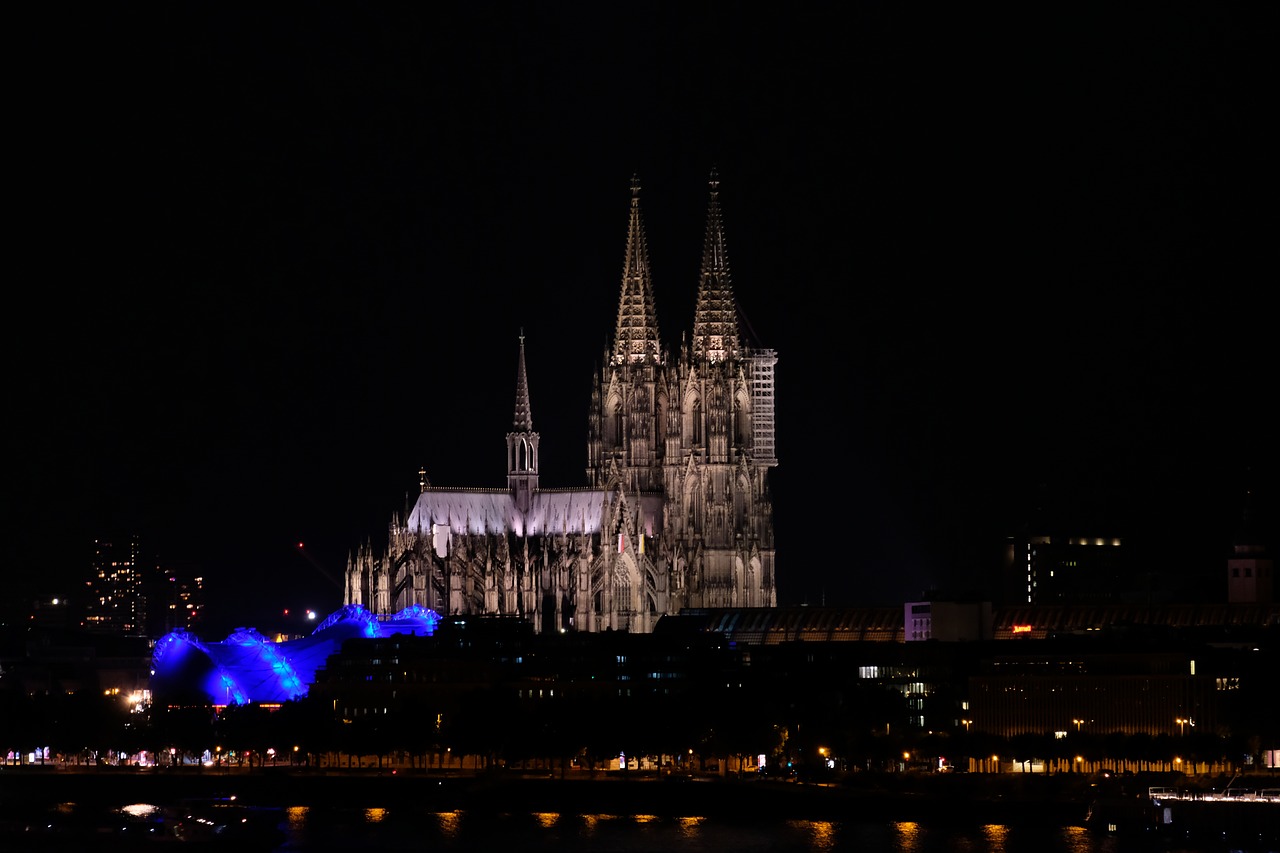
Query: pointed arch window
point(739, 505)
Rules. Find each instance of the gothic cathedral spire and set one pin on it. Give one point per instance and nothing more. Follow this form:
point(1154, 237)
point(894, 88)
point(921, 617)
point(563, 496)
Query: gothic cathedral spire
point(523, 421)
point(636, 338)
point(522, 443)
point(715, 317)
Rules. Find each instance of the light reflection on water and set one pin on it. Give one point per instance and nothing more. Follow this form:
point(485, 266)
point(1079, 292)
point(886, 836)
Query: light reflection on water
point(449, 823)
point(689, 827)
point(567, 832)
point(909, 836)
point(1077, 839)
point(403, 827)
point(995, 836)
point(821, 835)
point(296, 818)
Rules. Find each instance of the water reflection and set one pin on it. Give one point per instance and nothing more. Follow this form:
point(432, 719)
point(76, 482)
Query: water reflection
point(690, 827)
point(400, 827)
point(449, 823)
point(995, 835)
point(1077, 839)
point(821, 834)
point(296, 817)
point(909, 836)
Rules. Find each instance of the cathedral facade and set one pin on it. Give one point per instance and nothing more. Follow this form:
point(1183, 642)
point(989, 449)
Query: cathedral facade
point(676, 512)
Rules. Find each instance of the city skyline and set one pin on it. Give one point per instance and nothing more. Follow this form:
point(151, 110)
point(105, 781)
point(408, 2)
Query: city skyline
point(284, 261)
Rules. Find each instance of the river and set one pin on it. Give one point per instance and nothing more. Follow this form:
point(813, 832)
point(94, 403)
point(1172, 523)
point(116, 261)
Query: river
point(266, 812)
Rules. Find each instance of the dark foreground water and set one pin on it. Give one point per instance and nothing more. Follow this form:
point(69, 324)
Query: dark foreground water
point(304, 828)
point(376, 829)
point(285, 813)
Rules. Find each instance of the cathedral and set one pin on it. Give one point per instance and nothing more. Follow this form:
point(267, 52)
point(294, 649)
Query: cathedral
point(676, 511)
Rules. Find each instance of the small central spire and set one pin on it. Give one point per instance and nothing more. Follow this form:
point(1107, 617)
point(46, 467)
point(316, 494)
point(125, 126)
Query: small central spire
point(523, 421)
point(522, 443)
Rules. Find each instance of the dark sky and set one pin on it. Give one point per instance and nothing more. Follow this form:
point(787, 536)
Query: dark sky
point(270, 261)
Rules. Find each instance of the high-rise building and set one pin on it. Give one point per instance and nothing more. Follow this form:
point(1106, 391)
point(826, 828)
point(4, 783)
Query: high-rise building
point(1066, 569)
point(676, 511)
point(176, 601)
point(115, 599)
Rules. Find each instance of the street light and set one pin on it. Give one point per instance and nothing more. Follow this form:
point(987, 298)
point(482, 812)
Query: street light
point(1078, 724)
point(1183, 722)
point(966, 724)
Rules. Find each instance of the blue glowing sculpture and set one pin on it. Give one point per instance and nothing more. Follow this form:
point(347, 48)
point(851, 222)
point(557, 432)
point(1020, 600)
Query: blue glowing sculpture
point(247, 667)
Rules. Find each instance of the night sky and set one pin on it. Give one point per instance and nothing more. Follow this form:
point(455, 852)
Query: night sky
point(271, 261)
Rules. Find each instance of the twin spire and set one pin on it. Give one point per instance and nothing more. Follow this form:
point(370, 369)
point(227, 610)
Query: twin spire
point(715, 317)
point(636, 338)
point(715, 324)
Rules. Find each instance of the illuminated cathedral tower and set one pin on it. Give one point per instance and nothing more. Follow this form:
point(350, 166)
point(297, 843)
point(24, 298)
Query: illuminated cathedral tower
point(694, 436)
point(676, 512)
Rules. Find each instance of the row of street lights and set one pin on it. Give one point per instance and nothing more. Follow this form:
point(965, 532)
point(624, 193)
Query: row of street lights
point(1182, 722)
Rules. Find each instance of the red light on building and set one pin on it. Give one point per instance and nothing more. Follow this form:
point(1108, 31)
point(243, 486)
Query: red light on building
point(1022, 629)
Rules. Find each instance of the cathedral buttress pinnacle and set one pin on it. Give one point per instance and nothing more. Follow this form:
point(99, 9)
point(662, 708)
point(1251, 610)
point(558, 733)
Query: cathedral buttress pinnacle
point(715, 317)
point(636, 338)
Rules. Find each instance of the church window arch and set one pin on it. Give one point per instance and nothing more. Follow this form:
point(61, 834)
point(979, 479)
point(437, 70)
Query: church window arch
point(693, 503)
point(693, 422)
point(740, 493)
point(611, 431)
point(742, 421)
point(755, 584)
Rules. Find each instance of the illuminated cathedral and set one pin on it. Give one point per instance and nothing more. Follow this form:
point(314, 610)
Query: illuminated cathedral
point(676, 512)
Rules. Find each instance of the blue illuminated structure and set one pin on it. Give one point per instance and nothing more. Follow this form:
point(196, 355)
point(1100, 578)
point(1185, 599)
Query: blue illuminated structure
point(247, 667)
